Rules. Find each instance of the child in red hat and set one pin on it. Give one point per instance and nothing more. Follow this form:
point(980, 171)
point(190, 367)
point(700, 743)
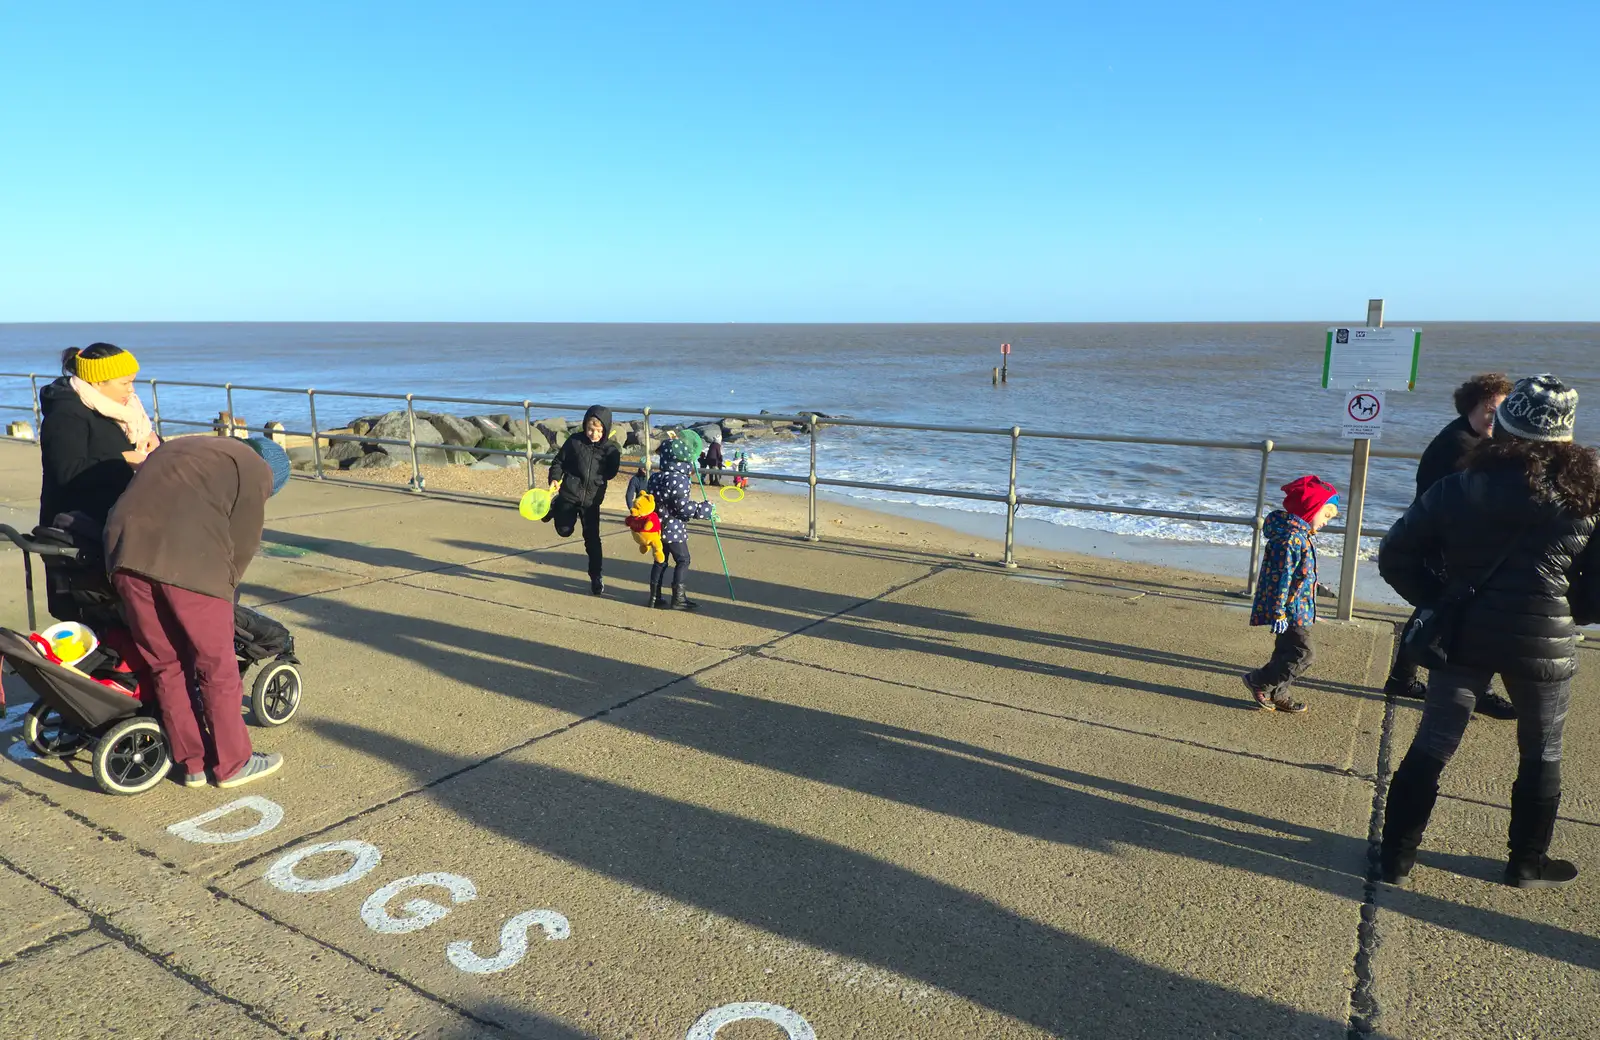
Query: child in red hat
point(1286, 593)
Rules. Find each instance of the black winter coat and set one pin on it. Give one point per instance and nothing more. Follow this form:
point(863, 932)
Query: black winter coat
point(1444, 453)
point(84, 470)
point(1541, 499)
point(585, 467)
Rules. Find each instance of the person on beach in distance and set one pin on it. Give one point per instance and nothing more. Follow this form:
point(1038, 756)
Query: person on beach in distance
point(672, 486)
point(177, 545)
point(1517, 525)
point(1286, 591)
point(712, 463)
point(581, 471)
point(94, 435)
point(636, 484)
point(1476, 401)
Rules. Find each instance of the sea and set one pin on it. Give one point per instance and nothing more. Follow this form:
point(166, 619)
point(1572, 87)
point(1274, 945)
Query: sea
point(1213, 381)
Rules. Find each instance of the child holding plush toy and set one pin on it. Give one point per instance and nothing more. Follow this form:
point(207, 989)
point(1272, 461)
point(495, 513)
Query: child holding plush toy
point(672, 488)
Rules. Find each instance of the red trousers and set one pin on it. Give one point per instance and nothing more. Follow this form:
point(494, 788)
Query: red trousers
point(186, 640)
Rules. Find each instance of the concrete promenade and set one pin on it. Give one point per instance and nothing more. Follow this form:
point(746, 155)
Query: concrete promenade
point(885, 794)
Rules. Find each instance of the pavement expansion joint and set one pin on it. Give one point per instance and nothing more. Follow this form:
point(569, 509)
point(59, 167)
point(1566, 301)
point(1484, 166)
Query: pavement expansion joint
point(45, 945)
point(1364, 1008)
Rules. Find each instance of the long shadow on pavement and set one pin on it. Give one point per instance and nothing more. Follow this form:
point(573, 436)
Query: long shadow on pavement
point(837, 899)
point(906, 766)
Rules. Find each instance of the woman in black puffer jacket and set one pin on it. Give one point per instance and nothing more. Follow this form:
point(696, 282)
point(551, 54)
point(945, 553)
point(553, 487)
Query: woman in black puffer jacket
point(1532, 490)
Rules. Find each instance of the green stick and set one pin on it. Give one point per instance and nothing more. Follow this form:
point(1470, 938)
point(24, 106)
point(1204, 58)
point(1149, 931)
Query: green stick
point(701, 477)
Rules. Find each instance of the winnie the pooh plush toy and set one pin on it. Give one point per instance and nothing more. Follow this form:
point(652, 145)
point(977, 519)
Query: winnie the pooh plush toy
point(646, 525)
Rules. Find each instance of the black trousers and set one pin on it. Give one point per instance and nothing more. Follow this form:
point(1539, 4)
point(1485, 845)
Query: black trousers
point(1291, 656)
point(567, 514)
point(1453, 692)
point(678, 553)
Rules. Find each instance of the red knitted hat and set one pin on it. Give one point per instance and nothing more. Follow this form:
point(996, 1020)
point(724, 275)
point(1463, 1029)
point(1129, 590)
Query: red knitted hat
point(1305, 496)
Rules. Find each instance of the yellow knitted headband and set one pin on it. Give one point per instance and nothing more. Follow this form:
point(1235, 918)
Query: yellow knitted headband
point(100, 370)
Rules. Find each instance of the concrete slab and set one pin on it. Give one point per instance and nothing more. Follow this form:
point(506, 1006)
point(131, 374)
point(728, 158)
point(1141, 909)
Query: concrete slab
point(1463, 955)
point(80, 988)
point(188, 961)
point(884, 862)
point(463, 677)
point(30, 914)
point(1153, 663)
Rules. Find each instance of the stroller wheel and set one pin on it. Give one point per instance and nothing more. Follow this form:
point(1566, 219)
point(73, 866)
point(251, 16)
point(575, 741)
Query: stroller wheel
point(131, 756)
point(48, 735)
point(275, 696)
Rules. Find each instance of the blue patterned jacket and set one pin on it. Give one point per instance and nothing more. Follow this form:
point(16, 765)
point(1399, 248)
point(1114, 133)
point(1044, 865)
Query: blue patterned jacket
point(1288, 582)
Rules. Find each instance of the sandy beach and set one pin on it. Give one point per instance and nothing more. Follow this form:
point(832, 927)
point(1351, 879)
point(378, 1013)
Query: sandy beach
point(1041, 546)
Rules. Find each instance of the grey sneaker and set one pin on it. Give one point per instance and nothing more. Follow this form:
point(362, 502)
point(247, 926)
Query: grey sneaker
point(258, 767)
point(194, 779)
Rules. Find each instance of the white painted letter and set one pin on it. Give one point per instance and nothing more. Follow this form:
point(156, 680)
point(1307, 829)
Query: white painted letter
point(786, 1020)
point(513, 942)
point(194, 828)
point(423, 912)
point(281, 874)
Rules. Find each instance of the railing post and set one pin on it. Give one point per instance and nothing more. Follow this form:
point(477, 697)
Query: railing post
point(231, 424)
point(411, 428)
point(316, 441)
point(527, 440)
point(1009, 559)
point(38, 417)
point(155, 410)
point(811, 483)
point(1261, 512)
point(646, 440)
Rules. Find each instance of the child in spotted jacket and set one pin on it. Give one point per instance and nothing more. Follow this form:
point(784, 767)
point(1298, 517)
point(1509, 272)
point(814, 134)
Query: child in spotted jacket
point(1286, 592)
point(673, 488)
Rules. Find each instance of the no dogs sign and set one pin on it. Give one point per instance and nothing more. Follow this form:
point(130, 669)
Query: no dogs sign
point(1363, 415)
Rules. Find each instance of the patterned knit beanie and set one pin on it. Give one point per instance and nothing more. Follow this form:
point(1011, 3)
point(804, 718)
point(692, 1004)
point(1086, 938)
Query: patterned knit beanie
point(1539, 408)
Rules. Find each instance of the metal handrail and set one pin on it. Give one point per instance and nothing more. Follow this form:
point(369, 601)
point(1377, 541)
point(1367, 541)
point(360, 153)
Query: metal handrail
point(809, 423)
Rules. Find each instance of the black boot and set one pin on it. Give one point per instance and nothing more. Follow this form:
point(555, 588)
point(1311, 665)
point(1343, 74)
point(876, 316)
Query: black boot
point(1533, 824)
point(596, 585)
point(655, 595)
point(681, 600)
point(1412, 792)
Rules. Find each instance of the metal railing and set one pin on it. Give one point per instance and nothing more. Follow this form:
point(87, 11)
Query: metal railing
point(810, 423)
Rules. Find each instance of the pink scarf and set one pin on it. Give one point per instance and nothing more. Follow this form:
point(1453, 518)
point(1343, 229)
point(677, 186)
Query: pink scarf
point(131, 416)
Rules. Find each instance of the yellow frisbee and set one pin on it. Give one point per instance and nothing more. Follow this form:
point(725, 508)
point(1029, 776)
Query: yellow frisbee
point(535, 505)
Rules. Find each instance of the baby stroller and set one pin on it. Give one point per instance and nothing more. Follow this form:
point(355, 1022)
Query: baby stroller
point(95, 704)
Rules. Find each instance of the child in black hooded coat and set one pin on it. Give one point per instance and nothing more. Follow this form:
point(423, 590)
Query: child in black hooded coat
point(582, 468)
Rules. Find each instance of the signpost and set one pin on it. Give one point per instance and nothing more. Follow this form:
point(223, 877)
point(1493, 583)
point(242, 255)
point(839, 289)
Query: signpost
point(1364, 362)
point(1005, 359)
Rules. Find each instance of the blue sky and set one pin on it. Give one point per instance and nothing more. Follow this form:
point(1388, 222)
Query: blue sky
point(798, 162)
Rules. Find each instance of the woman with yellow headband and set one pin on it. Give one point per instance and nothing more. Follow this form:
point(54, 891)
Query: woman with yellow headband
point(95, 432)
